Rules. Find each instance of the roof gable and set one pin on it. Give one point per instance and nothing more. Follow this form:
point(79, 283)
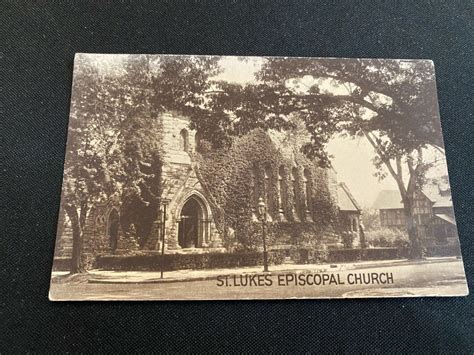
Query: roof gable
point(346, 202)
point(438, 197)
point(446, 218)
point(391, 199)
point(388, 199)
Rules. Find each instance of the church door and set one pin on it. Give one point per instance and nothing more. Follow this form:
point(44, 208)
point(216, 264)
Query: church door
point(189, 227)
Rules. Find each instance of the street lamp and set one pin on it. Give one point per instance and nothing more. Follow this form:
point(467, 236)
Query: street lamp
point(164, 202)
point(262, 211)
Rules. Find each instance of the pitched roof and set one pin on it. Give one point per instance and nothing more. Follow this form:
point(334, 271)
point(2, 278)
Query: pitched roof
point(346, 202)
point(391, 199)
point(440, 198)
point(388, 199)
point(446, 218)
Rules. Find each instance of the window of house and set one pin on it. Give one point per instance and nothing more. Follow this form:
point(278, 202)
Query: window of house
point(400, 218)
point(307, 188)
point(294, 174)
point(392, 217)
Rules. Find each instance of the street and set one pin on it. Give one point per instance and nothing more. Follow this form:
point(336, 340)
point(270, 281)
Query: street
point(423, 279)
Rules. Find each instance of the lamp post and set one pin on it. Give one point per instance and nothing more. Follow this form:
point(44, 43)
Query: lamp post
point(159, 228)
point(262, 211)
point(164, 202)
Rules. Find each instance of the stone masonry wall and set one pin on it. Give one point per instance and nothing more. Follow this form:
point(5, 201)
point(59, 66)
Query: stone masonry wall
point(179, 180)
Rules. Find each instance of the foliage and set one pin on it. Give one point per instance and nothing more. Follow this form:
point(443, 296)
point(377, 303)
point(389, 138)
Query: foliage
point(114, 137)
point(171, 262)
point(443, 250)
point(396, 91)
point(387, 237)
point(370, 218)
point(234, 177)
point(306, 234)
point(347, 239)
point(318, 256)
point(390, 102)
point(175, 83)
point(129, 241)
point(91, 166)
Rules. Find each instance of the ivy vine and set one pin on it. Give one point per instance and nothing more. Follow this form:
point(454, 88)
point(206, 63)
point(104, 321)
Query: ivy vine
point(235, 177)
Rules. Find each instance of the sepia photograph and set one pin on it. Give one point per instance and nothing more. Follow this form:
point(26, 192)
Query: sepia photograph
point(193, 177)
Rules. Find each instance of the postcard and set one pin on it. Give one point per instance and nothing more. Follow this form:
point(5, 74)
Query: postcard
point(193, 177)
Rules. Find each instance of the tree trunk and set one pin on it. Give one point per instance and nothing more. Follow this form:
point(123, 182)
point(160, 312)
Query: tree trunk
point(407, 193)
point(416, 249)
point(77, 237)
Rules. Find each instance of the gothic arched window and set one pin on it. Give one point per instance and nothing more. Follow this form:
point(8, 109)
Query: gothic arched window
point(184, 140)
point(294, 186)
point(281, 188)
point(294, 175)
point(197, 141)
point(307, 188)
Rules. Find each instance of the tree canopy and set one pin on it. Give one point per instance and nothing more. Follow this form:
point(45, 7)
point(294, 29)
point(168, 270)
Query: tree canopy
point(395, 100)
point(114, 137)
point(393, 103)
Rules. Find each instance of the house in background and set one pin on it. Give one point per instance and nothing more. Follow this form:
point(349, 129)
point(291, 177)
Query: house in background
point(433, 212)
point(349, 213)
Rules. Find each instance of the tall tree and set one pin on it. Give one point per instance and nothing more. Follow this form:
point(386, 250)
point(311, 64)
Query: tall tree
point(92, 166)
point(140, 147)
point(390, 102)
point(114, 136)
point(154, 84)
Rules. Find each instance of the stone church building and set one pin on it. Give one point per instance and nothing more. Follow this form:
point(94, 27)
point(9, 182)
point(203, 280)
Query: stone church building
point(190, 224)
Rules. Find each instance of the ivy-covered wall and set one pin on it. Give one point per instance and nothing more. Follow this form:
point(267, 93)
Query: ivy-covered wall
point(250, 168)
point(233, 179)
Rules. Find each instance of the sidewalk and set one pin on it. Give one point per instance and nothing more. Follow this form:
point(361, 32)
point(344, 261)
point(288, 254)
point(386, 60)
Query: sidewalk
point(120, 277)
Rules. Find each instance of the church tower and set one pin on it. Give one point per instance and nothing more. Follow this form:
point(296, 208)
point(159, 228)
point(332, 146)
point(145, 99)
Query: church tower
point(189, 220)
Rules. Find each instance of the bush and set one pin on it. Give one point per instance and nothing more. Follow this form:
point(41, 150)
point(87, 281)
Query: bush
point(129, 241)
point(312, 256)
point(345, 255)
point(170, 262)
point(443, 250)
point(348, 239)
point(387, 237)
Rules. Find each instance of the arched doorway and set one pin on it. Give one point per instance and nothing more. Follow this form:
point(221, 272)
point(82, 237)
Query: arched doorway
point(190, 227)
point(113, 229)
